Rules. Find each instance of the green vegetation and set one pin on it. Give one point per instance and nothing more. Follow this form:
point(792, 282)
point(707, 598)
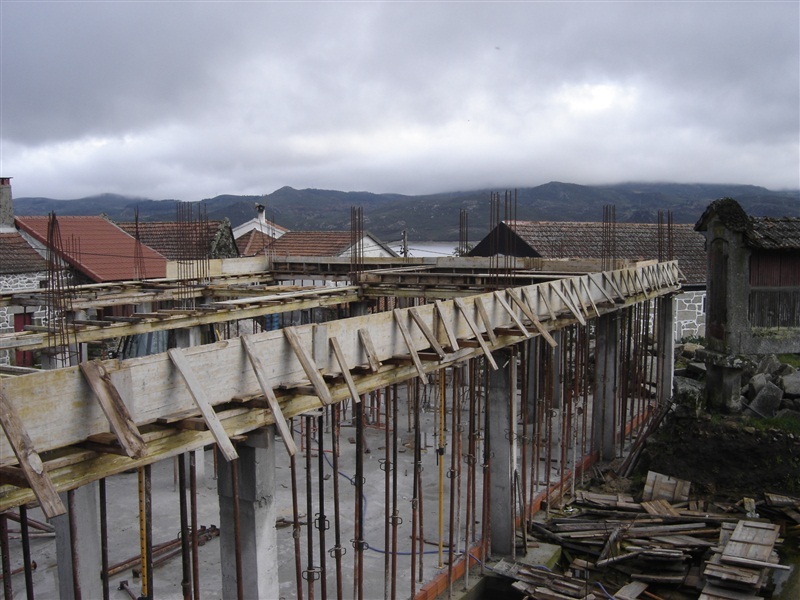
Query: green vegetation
point(785, 424)
point(790, 359)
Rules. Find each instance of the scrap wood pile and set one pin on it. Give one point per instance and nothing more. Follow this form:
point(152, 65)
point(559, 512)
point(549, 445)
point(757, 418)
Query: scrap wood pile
point(666, 542)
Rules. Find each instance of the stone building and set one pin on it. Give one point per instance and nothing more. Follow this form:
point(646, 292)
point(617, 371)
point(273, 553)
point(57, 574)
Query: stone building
point(753, 303)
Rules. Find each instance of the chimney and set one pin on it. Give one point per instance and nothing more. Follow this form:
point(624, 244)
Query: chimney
point(6, 206)
point(262, 215)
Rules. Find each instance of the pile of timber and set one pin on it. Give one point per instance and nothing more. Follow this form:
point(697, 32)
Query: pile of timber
point(713, 551)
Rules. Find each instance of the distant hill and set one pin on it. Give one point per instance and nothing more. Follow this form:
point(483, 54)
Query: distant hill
point(436, 216)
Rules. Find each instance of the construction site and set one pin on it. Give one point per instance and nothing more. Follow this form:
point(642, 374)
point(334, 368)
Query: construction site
point(305, 428)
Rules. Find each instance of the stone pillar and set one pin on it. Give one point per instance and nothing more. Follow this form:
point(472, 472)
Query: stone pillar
point(665, 334)
point(86, 525)
point(501, 428)
point(605, 386)
point(257, 513)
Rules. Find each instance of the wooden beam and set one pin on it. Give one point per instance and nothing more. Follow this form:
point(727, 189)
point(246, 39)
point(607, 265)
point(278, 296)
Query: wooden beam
point(260, 371)
point(532, 318)
point(487, 324)
point(198, 394)
point(427, 332)
point(517, 321)
point(568, 303)
point(398, 317)
point(451, 336)
point(29, 460)
point(348, 377)
point(369, 350)
point(603, 291)
point(114, 408)
point(541, 291)
point(478, 335)
point(308, 365)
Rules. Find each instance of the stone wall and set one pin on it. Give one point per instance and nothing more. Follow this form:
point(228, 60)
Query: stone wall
point(690, 316)
point(19, 282)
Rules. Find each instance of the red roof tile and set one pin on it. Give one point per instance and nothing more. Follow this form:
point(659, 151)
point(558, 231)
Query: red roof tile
point(17, 256)
point(98, 248)
point(311, 243)
point(176, 240)
point(253, 242)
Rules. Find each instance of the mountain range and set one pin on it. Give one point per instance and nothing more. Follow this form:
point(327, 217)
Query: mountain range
point(436, 216)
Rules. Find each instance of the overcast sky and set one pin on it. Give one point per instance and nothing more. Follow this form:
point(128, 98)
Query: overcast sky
point(189, 100)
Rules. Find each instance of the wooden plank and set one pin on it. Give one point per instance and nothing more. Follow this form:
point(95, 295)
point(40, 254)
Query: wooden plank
point(585, 286)
point(427, 332)
point(540, 289)
point(631, 591)
point(260, 370)
point(369, 350)
point(660, 507)
point(609, 278)
point(114, 408)
point(487, 323)
point(568, 303)
point(348, 377)
point(573, 287)
point(29, 460)
point(198, 394)
point(511, 313)
point(451, 336)
point(528, 312)
point(398, 317)
point(476, 332)
point(592, 278)
point(308, 365)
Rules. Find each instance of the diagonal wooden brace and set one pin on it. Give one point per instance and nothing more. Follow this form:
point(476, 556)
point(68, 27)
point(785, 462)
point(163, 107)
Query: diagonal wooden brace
point(487, 324)
point(29, 460)
point(511, 313)
point(369, 349)
point(308, 366)
point(476, 332)
point(398, 318)
point(198, 394)
point(568, 303)
point(280, 420)
point(427, 332)
point(348, 377)
point(451, 336)
point(114, 408)
point(533, 318)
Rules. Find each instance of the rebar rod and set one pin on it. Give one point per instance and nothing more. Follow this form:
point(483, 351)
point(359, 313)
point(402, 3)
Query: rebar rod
point(440, 450)
point(73, 545)
point(451, 475)
point(359, 523)
point(8, 591)
point(387, 484)
point(416, 490)
point(27, 564)
point(193, 520)
point(103, 539)
point(186, 549)
point(298, 567)
point(337, 550)
point(310, 571)
point(395, 513)
point(322, 520)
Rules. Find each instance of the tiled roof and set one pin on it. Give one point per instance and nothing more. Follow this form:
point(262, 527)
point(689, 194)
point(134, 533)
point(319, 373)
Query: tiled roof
point(253, 242)
point(767, 233)
point(17, 256)
point(174, 240)
point(311, 243)
point(634, 241)
point(98, 248)
point(773, 234)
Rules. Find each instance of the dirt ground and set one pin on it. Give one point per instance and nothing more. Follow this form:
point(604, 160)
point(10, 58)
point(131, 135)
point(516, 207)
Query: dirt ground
point(726, 456)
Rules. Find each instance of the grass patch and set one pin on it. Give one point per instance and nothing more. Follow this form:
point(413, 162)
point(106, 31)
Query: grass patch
point(786, 424)
point(790, 359)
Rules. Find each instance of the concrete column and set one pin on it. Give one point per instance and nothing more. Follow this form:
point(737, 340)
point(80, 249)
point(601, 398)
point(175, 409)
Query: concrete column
point(665, 334)
point(558, 371)
point(501, 427)
point(257, 513)
point(605, 385)
point(84, 511)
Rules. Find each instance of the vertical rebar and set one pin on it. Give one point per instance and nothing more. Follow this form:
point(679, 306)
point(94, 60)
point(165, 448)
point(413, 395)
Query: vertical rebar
point(298, 567)
point(322, 521)
point(103, 540)
point(8, 591)
point(395, 513)
point(310, 571)
point(186, 545)
point(193, 518)
point(237, 528)
point(338, 550)
point(73, 545)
